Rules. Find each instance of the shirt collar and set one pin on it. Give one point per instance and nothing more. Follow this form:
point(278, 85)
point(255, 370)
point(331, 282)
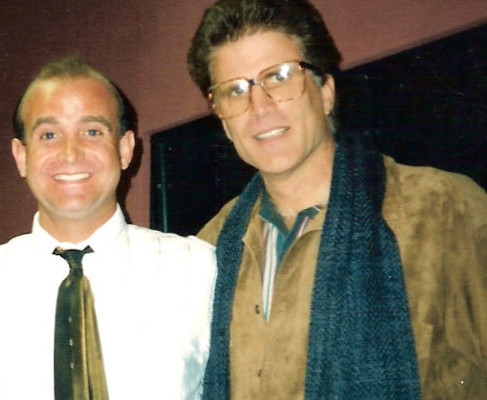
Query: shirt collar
point(102, 238)
point(269, 213)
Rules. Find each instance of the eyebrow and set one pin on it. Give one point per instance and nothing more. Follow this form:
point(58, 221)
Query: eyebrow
point(89, 118)
point(98, 118)
point(43, 120)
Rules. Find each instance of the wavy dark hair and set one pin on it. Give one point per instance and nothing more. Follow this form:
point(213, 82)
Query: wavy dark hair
point(228, 20)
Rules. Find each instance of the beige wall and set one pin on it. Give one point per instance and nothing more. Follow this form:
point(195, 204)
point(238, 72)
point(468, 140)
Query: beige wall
point(142, 44)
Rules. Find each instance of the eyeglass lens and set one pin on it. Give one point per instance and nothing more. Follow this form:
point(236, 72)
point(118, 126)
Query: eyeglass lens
point(282, 83)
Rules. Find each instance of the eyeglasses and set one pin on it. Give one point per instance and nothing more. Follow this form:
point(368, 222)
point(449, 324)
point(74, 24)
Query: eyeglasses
point(281, 82)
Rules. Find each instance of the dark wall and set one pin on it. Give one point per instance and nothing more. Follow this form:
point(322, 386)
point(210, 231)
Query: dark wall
point(426, 106)
point(194, 171)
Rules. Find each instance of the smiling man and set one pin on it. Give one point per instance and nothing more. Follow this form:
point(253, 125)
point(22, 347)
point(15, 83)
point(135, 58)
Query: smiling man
point(153, 291)
point(341, 273)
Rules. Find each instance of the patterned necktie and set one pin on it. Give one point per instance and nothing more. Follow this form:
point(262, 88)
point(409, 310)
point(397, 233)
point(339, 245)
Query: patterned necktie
point(78, 362)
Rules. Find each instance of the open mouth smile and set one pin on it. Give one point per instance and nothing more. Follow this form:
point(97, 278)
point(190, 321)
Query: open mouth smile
point(272, 133)
point(71, 177)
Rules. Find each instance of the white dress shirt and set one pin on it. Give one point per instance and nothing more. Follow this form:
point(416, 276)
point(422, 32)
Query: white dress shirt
point(153, 297)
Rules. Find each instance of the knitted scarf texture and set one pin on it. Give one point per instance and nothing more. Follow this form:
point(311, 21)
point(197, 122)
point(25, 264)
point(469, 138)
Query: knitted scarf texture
point(360, 337)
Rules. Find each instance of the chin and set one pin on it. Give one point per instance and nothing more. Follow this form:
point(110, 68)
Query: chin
point(276, 167)
point(70, 210)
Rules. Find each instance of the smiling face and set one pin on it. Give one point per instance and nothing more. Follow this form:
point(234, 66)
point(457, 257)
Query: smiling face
point(73, 153)
point(278, 138)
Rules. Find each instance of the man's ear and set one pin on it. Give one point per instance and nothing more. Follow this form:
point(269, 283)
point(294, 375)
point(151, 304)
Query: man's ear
point(227, 131)
point(19, 151)
point(126, 148)
point(328, 94)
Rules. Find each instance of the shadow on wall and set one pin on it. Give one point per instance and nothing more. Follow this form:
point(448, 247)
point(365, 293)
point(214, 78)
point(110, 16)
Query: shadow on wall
point(131, 120)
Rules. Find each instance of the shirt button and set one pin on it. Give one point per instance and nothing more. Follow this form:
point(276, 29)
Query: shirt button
point(257, 309)
point(259, 373)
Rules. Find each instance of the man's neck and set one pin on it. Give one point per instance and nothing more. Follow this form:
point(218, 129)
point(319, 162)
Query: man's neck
point(307, 186)
point(73, 230)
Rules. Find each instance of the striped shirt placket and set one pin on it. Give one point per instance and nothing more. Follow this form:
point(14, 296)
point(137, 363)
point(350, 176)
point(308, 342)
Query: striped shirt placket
point(270, 265)
point(276, 243)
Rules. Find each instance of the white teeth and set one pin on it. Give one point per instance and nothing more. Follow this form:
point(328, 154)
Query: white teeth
point(272, 133)
point(71, 177)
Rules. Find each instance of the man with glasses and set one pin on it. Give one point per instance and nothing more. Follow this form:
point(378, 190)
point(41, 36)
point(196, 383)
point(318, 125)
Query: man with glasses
point(341, 274)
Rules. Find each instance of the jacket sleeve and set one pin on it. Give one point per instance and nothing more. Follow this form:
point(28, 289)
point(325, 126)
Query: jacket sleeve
point(440, 223)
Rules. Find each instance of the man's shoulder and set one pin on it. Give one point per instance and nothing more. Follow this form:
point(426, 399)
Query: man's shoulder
point(14, 247)
point(167, 241)
point(422, 185)
point(177, 255)
point(212, 228)
point(15, 242)
point(430, 177)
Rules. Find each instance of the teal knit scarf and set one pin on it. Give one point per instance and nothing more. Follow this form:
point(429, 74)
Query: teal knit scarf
point(360, 337)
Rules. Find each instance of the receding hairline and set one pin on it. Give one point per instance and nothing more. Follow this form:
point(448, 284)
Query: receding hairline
point(93, 75)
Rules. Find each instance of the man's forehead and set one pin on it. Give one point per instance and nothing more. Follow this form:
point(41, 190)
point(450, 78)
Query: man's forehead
point(48, 85)
point(37, 109)
point(253, 52)
point(61, 88)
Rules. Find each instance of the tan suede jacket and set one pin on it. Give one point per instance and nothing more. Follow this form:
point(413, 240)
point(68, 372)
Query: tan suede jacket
point(440, 223)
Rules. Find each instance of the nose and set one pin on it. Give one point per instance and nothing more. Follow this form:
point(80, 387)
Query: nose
point(71, 149)
point(260, 101)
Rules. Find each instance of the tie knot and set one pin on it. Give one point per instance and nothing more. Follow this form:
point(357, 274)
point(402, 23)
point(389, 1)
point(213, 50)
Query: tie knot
point(73, 257)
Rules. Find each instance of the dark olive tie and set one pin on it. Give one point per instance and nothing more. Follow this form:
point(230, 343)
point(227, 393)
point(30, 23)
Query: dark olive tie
point(78, 362)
